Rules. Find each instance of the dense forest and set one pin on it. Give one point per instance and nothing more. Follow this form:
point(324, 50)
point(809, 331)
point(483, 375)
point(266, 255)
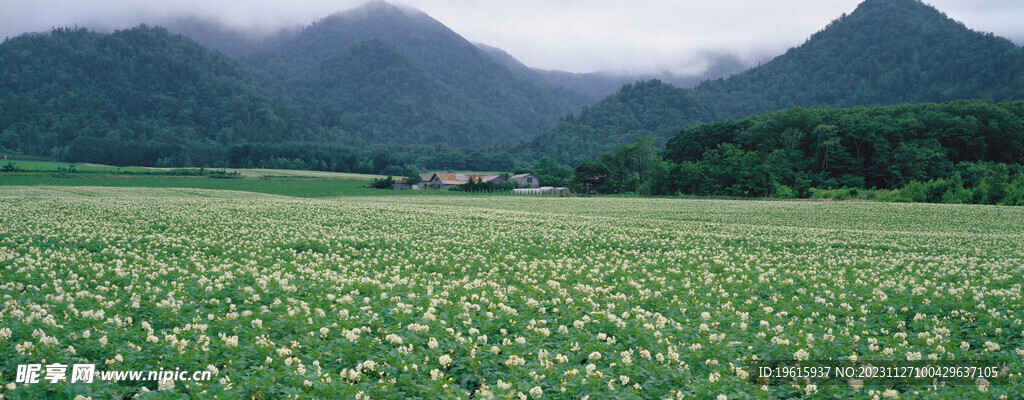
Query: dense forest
point(964, 152)
point(383, 97)
point(886, 52)
point(146, 97)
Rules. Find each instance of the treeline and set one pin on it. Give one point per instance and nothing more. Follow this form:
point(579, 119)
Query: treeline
point(387, 159)
point(861, 147)
point(371, 159)
point(964, 151)
point(141, 153)
point(1003, 185)
point(162, 95)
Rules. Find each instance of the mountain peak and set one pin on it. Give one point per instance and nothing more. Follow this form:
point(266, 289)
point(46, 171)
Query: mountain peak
point(379, 9)
point(898, 4)
point(904, 8)
point(380, 17)
point(376, 7)
point(893, 15)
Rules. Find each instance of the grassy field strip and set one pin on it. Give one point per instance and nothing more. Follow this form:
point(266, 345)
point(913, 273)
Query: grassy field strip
point(47, 166)
point(257, 173)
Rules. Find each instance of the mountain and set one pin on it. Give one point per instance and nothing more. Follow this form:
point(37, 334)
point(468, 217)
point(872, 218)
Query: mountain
point(141, 85)
point(885, 52)
point(410, 79)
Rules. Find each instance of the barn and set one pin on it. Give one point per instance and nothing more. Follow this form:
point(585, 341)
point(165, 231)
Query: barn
point(525, 181)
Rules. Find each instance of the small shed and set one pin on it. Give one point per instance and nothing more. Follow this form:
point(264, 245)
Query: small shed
point(401, 184)
point(492, 179)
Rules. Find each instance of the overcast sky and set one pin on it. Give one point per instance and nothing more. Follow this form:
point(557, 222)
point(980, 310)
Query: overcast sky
point(569, 35)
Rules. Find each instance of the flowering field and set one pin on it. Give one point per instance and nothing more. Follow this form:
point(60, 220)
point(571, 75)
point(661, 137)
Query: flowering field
point(504, 297)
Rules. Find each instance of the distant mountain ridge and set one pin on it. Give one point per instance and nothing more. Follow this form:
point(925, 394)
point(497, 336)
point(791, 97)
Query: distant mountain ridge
point(885, 52)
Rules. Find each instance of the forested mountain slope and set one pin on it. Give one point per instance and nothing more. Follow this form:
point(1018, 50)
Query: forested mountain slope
point(141, 85)
point(410, 79)
point(885, 52)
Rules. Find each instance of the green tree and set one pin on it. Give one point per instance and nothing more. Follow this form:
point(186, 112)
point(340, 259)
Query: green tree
point(630, 166)
point(919, 160)
point(591, 177)
point(393, 170)
point(550, 173)
point(413, 176)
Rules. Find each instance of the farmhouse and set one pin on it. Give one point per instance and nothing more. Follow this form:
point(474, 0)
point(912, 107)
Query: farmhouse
point(445, 180)
point(424, 183)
